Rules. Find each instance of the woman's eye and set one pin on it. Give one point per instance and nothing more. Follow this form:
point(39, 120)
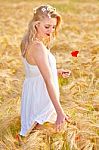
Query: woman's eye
point(46, 27)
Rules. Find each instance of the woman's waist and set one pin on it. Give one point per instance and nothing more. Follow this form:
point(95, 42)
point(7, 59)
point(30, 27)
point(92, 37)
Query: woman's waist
point(32, 76)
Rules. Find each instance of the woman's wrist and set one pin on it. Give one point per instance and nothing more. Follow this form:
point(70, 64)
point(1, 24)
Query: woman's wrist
point(59, 72)
point(59, 110)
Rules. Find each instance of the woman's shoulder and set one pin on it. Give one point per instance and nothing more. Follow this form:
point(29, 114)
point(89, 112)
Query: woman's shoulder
point(37, 49)
point(36, 46)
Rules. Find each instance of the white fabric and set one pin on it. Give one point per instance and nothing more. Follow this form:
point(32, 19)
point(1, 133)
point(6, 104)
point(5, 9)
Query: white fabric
point(36, 104)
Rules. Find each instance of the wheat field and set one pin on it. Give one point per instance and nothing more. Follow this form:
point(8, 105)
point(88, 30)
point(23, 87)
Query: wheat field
point(79, 93)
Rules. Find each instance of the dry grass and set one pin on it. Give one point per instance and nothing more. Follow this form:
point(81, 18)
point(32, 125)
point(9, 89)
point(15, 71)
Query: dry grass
point(79, 93)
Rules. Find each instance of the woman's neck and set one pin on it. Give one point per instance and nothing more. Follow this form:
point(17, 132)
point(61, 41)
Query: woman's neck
point(39, 38)
point(43, 40)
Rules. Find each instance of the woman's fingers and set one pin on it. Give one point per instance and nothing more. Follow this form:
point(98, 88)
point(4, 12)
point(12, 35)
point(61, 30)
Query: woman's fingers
point(67, 118)
point(60, 122)
point(66, 74)
point(60, 126)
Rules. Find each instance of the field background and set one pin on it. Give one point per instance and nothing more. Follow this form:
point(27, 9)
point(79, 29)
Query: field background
point(79, 92)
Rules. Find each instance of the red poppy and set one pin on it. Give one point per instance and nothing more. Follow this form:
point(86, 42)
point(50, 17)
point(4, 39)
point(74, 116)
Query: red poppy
point(74, 53)
point(17, 137)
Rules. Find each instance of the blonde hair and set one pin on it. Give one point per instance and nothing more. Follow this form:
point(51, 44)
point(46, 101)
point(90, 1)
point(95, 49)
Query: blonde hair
point(40, 13)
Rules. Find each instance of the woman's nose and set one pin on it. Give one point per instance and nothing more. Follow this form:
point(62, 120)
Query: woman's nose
point(51, 30)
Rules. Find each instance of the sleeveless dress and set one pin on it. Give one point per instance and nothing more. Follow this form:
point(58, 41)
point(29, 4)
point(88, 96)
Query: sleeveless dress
point(36, 105)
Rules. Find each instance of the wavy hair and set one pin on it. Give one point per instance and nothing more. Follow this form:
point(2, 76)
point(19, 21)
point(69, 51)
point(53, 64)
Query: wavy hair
point(40, 13)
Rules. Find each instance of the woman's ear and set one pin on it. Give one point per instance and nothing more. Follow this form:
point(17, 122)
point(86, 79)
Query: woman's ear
point(37, 24)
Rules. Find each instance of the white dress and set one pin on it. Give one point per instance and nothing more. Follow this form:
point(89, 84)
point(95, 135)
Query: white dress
point(36, 105)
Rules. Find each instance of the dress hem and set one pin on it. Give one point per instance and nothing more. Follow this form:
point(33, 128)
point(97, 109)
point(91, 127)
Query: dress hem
point(33, 126)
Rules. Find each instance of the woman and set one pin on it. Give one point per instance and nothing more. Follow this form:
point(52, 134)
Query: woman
point(40, 94)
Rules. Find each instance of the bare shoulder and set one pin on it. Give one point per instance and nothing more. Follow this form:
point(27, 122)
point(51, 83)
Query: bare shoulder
point(39, 57)
point(37, 48)
point(38, 54)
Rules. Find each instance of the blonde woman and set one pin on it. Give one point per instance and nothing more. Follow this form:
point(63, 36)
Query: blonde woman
point(40, 95)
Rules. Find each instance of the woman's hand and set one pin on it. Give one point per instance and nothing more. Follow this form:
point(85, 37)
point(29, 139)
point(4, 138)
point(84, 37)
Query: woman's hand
point(64, 73)
point(61, 119)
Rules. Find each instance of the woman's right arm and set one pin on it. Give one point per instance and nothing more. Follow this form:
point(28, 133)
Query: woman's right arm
point(40, 55)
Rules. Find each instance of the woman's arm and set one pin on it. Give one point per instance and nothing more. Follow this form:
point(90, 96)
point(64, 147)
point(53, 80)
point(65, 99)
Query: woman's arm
point(40, 56)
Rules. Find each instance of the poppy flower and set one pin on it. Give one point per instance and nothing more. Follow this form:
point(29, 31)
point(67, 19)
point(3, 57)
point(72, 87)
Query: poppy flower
point(74, 53)
point(17, 137)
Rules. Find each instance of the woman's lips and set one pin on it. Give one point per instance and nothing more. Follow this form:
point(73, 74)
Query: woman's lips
point(48, 34)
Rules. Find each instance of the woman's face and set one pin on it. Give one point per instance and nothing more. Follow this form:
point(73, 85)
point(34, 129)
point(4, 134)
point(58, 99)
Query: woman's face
point(46, 27)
